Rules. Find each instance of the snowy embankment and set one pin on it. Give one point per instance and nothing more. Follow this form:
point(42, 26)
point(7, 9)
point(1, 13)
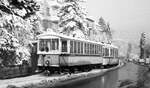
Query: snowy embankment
point(38, 81)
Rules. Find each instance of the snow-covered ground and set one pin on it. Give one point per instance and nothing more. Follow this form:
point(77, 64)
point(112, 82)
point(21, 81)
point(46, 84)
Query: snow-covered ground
point(41, 79)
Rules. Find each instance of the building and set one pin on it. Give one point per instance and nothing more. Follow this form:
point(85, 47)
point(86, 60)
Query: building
point(95, 31)
point(48, 14)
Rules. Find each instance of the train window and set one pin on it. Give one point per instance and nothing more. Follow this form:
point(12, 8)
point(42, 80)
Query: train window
point(117, 53)
point(88, 48)
point(103, 51)
point(84, 48)
point(114, 52)
point(41, 46)
point(64, 45)
point(99, 49)
point(46, 46)
point(71, 46)
point(106, 52)
point(75, 47)
point(49, 44)
point(44, 43)
point(92, 48)
point(95, 49)
point(55, 44)
point(111, 53)
point(81, 47)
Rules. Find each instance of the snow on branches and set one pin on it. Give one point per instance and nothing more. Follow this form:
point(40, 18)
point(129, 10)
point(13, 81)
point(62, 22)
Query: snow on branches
point(22, 8)
point(72, 18)
point(18, 26)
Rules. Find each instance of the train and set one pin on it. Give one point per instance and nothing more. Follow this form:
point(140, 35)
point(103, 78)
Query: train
point(62, 53)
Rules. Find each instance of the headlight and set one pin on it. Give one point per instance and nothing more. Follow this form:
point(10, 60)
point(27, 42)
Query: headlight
point(47, 63)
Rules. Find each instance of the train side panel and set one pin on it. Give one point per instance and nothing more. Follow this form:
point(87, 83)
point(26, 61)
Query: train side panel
point(53, 60)
point(80, 60)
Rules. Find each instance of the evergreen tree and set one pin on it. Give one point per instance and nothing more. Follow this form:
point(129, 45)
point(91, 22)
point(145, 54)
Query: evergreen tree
point(106, 29)
point(72, 17)
point(102, 23)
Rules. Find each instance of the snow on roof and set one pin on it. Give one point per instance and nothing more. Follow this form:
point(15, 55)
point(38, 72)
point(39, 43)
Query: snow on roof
point(110, 45)
point(90, 18)
point(48, 34)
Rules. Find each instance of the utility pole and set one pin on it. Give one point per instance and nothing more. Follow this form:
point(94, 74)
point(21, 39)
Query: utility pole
point(142, 45)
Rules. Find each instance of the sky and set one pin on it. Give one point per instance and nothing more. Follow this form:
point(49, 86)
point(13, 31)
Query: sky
point(127, 18)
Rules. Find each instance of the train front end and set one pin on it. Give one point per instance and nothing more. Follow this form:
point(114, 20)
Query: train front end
point(48, 50)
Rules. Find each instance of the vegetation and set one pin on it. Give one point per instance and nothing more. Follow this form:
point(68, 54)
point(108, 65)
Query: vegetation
point(72, 17)
point(17, 27)
point(106, 29)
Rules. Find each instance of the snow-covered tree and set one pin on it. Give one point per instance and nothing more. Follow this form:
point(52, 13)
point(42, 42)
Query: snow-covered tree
point(102, 23)
point(72, 19)
point(17, 28)
point(109, 33)
point(106, 30)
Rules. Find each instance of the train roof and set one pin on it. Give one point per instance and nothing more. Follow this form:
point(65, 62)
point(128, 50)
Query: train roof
point(47, 35)
point(110, 45)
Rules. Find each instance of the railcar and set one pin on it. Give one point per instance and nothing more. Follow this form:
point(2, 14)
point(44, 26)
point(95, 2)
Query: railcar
point(59, 53)
point(110, 55)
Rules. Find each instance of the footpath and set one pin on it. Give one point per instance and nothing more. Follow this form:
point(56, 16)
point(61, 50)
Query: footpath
point(42, 81)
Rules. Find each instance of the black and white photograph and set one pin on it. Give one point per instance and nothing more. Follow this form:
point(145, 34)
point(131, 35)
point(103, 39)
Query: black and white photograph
point(74, 44)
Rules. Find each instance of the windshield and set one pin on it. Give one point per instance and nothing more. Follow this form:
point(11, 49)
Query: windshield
point(48, 44)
